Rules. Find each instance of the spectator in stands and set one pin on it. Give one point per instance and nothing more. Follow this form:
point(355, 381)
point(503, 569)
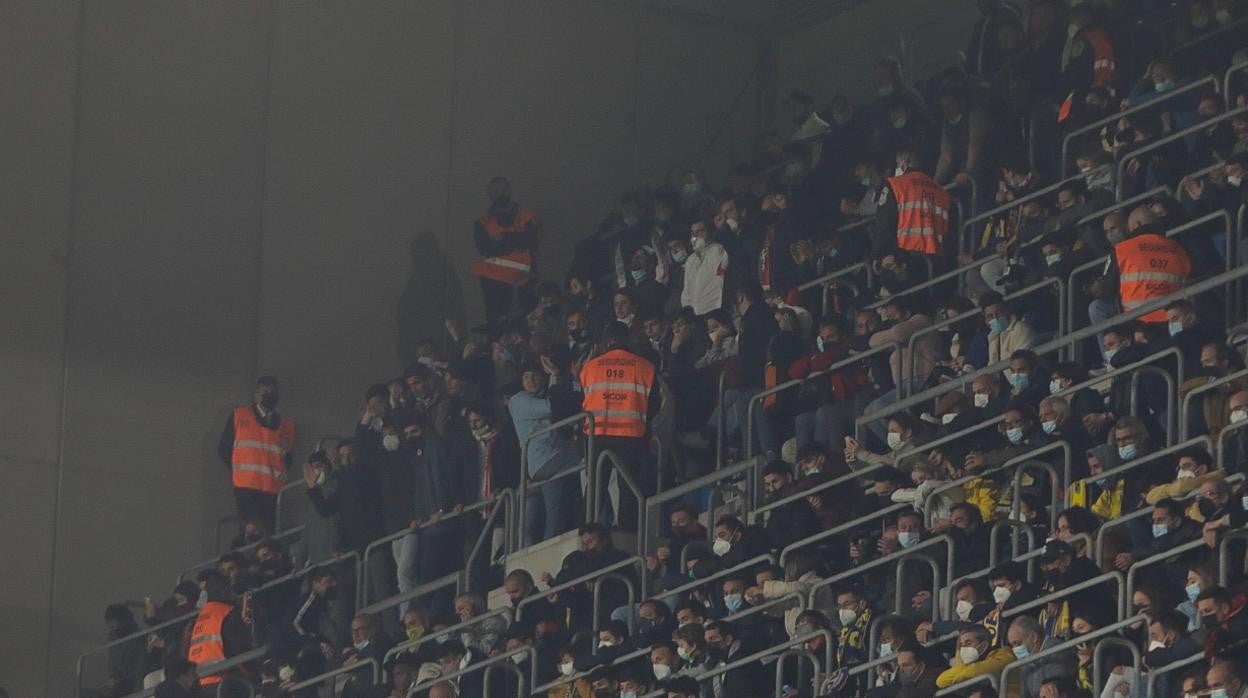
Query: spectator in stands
point(1083, 401)
point(965, 141)
point(734, 542)
point(705, 271)
point(256, 445)
point(1168, 642)
point(917, 672)
point(349, 496)
point(976, 656)
point(368, 641)
point(1058, 422)
point(1223, 614)
point(1190, 333)
point(654, 622)
point(910, 367)
point(664, 661)
point(125, 660)
point(482, 636)
point(1226, 678)
point(989, 396)
point(1008, 332)
point(1194, 468)
point(180, 679)
point(1211, 412)
point(691, 647)
point(1026, 638)
point(1170, 528)
point(309, 620)
point(547, 454)
point(454, 656)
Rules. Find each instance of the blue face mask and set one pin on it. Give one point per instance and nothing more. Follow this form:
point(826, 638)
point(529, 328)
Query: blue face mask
point(1175, 328)
point(886, 649)
point(628, 694)
point(1015, 435)
point(1020, 381)
point(1055, 387)
point(819, 343)
point(638, 274)
point(1193, 590)
point(1127, 452)
point(997, 325)
point(1049, 426)
point(733, 602)
point(1052, 259)
point(907, 539)
point(1021, 652)
point(1160, 530)
point(1164, 86)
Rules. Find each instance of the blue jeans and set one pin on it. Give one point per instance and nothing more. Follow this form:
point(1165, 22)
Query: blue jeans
point(550, 509)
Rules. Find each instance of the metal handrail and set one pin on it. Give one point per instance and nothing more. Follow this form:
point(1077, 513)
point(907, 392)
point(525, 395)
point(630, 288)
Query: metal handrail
point(1172, 393)
point(1028, 198)
point(934, 281)
point(322, 678)
point(947, 322)
point(1040, 602)
point(721, 421)
point(1014, 551)
point(608, 458)
point(1226, 84)
point(943, 539)
point(712, 478)
point(1029, 557)
point(280, 537)
point(1069, 644)
point(484, 665)
point(1224, 554)
point(429, 523)
point(1104, 642)
point(505, 612)
point(848, 526)
point(801, 653)
point(281, 494)
point(1096, 126)
point(1137, 462)
point(1016, 460)
point(1167, 140)
point(722, 574)
point(776, 389)
point(446, 580)
point(1071, 338)
point(1228, 429)
point(754, 658)
point(822, 280)
point(990, 678)
point(137, 635)
point(561, 680)
point(1122, 204)
point(1177, 664)
point(637, 561)
point(899, 597)
point(1055, 487)
point(1207, 387)
point(506, 504)
point(525, 483)
point(210, 668)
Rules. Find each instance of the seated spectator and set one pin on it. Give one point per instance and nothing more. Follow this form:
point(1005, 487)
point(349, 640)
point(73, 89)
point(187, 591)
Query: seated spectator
point(1170, 528)
point(1007, 331)
point(1168, 642)
point(368, 641)
point(1057, 421)
point(482, 636)
point(691, 647)
point(1026, 638)
point(904, 433)
point(1210, 413)
point(664, 660)
point(735, 542)
point(917, 671)
point(976, 656)
point(1223, 613)
point(790, 522)
point(654, 623)
point(452, 657)
point(726, 644)
point(927, 478)
point(1026, 378)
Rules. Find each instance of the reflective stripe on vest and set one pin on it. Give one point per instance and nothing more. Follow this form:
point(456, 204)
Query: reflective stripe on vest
point(1150, 266)
point(207, 644)
point(257, 462)
point(617, 388)
point(514, 267)
point(922, 212)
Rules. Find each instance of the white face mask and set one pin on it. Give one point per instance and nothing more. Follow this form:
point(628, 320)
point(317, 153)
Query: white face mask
point(662, 671)
point(847, 616)
point(1185, 474)
point(1156, 645)
point(1234, 180)
point(697, 243)
point(968, 655)
point(390, 442)
point(894, 440)
point(1001, 594)
point(567, 669)
point(721, 547)
point(963, 610)
point(948, 418)
point(1238, 416)
point(519, 657)
point(980, 400)
point(899, 171)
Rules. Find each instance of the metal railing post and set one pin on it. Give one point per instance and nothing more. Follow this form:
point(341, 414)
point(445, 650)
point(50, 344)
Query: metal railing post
point(1131, 155)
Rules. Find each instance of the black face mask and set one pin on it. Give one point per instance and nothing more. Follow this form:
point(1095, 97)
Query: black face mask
point(580, 335)
point(1207, 508)
point(1209, 621)
point(501, 202)
point(331, 594)
point(269, 401)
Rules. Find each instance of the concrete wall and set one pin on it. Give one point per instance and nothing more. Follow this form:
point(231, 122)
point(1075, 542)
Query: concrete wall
point(200, 192)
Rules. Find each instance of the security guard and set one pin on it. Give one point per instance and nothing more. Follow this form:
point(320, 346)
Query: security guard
point(1145, 265)
point(219, 631)
point(621, 391)
point(506, 238)
point(256, 445)
point(913, 211)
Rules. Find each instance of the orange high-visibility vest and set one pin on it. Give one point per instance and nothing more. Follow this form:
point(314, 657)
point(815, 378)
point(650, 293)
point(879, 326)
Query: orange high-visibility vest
point(1150, 266)
point(617, 392)
point(257, 461)
point(1104, 68)
point(207, 645)
point(514, 267)
point(922, 212)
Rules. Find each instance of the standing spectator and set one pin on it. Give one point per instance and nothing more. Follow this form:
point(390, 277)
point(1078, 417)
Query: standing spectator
point(546, 455)
point(984, 53)
point(125, 660)
point(706, 270)
point(309, 620)
point(256, 445)
point(621, 391)
point(506, 238)
point(350, 494)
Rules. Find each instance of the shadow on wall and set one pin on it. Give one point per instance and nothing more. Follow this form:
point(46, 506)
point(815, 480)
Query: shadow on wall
point(432, 295)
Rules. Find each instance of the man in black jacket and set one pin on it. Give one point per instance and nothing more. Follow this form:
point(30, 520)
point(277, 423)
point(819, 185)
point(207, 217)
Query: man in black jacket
point(790, 522)
point(758, 326)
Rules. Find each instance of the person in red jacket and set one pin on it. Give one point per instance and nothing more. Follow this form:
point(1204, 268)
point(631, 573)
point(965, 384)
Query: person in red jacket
point(1223, 614)
point(826, 415)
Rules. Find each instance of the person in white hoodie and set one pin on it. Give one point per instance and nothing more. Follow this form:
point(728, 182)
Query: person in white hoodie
point(705, 271)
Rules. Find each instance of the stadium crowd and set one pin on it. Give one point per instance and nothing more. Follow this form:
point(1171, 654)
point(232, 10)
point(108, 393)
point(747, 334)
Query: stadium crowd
point(1065, 487)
